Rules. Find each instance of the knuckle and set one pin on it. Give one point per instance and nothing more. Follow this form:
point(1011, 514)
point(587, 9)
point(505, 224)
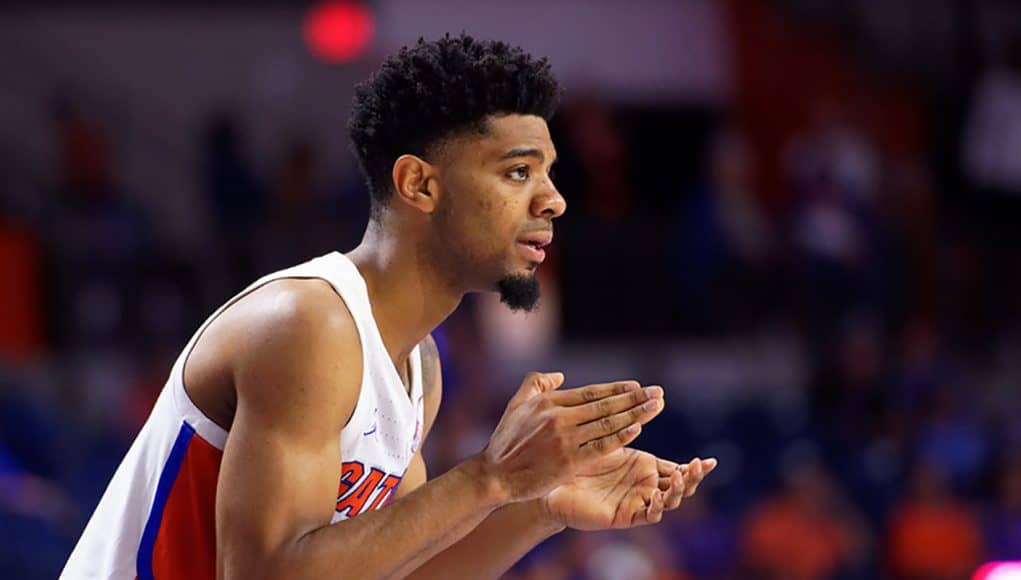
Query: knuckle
point(588, 395)
point(637, 397)
point(562, 423)
point(599, 444)
point(604, 407)
point(606, 423)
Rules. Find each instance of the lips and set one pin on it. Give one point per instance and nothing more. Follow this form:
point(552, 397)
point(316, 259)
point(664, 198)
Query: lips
point(532, 245)
point(538, 239)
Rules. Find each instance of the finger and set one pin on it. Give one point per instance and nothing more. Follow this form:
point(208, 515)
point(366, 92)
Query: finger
point(536, 384)
point(676, 492)
point(654, 513)
point(610, 443)
point(641, 414)
point(705, 466)
point(710, 464)
point(693, 476)
point(591, 393)
point(666, 468)
point(613, 404)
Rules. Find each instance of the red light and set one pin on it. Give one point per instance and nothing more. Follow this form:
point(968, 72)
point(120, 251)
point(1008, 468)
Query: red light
point(338, 31)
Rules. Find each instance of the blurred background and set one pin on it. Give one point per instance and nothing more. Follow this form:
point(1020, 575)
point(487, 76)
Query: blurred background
point(802, 217)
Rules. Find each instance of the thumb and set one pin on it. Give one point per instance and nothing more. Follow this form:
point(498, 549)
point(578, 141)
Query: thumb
point(536, 384)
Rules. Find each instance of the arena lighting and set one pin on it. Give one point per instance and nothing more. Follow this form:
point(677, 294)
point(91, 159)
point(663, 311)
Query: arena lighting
point(339, 31)
point(998, 571)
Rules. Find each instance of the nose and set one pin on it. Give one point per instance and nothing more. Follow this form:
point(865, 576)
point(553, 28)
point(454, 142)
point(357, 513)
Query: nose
point(549, 204)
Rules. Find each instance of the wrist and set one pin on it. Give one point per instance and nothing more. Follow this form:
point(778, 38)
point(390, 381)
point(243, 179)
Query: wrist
point(488, 485)
point(544, 517)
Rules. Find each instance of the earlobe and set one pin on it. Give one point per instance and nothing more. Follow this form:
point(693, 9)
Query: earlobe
point(415, 182)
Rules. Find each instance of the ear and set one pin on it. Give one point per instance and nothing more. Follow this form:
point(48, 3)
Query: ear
point(415, 182)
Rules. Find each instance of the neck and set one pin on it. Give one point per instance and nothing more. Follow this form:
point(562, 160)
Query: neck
point(408, 297)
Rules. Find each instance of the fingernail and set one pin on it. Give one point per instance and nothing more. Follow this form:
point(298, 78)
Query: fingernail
point(632, 429)
point(652, 405)
point(631, 386)
point(654, 392)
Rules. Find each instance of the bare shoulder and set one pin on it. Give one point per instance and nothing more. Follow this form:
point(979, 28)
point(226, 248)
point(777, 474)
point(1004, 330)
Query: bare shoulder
point(297, 350)
point(297, 307)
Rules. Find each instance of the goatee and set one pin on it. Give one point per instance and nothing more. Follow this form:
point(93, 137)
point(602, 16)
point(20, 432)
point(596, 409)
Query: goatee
point(519, 291)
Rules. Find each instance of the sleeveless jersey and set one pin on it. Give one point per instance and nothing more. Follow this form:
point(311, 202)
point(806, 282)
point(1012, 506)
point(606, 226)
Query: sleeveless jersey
point(157, 516)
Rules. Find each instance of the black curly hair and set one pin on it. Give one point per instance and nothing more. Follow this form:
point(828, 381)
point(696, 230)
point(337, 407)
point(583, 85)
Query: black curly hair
point(439, 89)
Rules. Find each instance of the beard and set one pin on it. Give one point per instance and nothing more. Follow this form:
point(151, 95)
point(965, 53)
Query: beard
point(520, 292)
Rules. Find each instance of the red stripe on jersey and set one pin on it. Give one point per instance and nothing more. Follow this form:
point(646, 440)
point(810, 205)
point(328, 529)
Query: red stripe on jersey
point(185, 546)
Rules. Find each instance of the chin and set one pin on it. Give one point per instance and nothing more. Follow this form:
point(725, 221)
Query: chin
point(519, 290)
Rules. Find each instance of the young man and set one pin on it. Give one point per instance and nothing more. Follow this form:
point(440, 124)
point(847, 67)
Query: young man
point(327, 371)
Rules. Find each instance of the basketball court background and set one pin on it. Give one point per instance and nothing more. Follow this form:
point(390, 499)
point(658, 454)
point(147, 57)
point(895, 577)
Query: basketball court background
point(803, 218)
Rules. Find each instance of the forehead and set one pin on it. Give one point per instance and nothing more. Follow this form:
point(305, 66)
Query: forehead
point(507, 132)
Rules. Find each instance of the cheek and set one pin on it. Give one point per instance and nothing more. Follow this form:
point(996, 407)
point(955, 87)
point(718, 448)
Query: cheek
point(492, 222)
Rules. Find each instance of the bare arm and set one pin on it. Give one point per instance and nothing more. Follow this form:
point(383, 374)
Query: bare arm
point(297, 381)
point(297, 377)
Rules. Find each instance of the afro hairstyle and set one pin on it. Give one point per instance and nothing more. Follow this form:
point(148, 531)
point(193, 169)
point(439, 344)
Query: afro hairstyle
point(437, 90)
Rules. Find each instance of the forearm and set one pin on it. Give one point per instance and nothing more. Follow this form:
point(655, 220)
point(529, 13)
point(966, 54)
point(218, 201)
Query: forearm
point(393, 541)
point(494, 546)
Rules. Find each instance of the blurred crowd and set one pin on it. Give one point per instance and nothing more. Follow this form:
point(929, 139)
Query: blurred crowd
point(848, 346)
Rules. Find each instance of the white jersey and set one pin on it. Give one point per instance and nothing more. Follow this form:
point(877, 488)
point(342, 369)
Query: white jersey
point(157, 516)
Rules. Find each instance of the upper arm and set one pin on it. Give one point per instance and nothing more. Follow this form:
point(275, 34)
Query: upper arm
point(297, 373)
point(432, 391)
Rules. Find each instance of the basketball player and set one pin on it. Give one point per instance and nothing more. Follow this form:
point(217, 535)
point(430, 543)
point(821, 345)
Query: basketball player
point(304, 400)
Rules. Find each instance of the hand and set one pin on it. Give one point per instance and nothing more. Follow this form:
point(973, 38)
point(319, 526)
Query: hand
point(623, 489)
point(546, 435)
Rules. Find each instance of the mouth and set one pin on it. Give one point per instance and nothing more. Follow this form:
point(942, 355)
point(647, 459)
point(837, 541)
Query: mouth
point(532, 245)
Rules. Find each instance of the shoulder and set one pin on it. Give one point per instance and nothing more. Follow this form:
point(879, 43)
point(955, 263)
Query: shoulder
point(297, 347)
point(298, 307)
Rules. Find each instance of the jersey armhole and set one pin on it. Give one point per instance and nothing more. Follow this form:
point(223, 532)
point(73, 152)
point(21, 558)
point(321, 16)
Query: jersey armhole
point(178, 372)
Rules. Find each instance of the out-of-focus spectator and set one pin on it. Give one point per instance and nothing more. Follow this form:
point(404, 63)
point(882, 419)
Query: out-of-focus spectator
point(933, 534)
point(993, 130)
point(237, 200)
point(726, 242)
point(806, 531)
point(952, 438)
point(834, 231)
point(299, 222)
point(21, 308)
point(228, 178)
point(605, 192)
point(703, 538)
point(992, 165)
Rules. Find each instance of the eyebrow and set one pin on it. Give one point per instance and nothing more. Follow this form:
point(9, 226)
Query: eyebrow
point(526, 152)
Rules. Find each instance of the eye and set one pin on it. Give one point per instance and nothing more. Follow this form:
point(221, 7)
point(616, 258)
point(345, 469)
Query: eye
point(519, 173)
